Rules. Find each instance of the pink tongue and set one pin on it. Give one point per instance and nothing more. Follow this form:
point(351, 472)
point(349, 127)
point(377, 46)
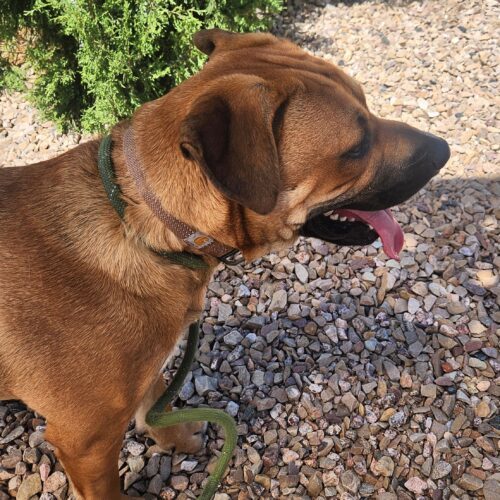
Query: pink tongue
point(385, 224)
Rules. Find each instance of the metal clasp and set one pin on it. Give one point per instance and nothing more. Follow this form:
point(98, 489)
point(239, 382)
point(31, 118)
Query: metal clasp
point(232, 258)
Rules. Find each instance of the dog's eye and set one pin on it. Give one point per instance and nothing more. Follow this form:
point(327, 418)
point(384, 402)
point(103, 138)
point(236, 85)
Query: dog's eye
point(359, 150)
point(356, 152)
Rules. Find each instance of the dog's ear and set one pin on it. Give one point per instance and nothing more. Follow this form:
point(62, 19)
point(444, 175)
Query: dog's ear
point(213, 40)
point(206, 40)
point(231, 138)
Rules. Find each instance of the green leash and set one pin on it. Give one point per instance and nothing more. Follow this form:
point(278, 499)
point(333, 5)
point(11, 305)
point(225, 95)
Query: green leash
point(157, 416)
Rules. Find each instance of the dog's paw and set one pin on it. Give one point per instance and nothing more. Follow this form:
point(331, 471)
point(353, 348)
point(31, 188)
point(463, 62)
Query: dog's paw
point(195, 438)
point(185, 438)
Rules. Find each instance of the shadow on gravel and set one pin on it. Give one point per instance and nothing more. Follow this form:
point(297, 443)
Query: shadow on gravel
point(476, 199)
point(456, 186)
point(312, 12)
point(318, 4)
point(324, 3)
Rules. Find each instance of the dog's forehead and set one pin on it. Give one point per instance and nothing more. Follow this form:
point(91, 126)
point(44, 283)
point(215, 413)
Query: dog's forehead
point(283, 61)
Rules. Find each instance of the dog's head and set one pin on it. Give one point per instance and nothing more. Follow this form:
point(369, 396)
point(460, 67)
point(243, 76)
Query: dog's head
point(288, 139)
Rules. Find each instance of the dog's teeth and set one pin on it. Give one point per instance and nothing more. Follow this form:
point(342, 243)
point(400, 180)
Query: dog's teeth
point(328, 214)
point(352, 219)
point(371, 227)
point(343, 219)
point(334, 216)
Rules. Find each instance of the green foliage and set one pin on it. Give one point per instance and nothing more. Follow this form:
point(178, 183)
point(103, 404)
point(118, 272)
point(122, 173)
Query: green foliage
point(11, 77)
point(97, 60)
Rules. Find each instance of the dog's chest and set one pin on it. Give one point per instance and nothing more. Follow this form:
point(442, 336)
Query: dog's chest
point(184, 299)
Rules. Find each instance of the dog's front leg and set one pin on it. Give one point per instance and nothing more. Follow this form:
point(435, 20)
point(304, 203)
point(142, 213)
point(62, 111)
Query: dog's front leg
point(89, 451)
point(185, 438)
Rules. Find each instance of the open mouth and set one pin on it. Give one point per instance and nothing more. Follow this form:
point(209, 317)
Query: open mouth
point(348, 227)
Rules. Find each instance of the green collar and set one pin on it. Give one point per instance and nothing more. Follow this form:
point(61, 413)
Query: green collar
point(106, 171)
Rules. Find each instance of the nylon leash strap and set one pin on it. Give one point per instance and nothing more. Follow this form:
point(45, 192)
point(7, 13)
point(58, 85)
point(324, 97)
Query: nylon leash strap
point(158, 417)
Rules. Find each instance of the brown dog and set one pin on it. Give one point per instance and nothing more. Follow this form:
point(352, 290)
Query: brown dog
point(252, 151)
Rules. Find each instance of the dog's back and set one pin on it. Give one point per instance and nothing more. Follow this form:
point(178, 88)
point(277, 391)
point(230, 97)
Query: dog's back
point(40, 263)
point(25, 211)
point(14, 202)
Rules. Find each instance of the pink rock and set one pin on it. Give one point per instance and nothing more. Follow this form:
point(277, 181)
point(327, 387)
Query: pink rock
point(416, 485)
point(473, 345)
point(44, 471)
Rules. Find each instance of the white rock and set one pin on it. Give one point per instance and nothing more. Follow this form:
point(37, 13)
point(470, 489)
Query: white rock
point(413, 305)
point(279, 300)
point(301, 273)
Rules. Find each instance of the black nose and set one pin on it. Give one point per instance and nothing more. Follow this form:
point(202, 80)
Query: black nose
point(438, 151)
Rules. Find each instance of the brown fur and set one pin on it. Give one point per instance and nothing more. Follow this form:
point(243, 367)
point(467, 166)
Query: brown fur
point(88, 315)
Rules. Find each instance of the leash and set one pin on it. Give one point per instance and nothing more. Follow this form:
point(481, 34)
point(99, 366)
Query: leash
point(157, 416)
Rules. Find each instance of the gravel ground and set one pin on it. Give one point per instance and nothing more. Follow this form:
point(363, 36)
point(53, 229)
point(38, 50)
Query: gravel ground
point(350, 375)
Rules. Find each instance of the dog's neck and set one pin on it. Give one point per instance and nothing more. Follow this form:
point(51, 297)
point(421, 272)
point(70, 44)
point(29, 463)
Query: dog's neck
point(106, 172)
point(194, 239)
point(161, 231)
